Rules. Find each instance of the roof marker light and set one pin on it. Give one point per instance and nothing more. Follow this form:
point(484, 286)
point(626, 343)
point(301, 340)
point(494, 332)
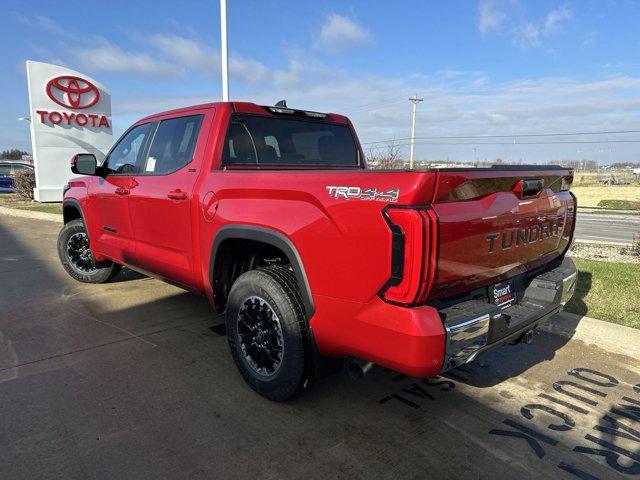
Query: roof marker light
point(315, 114)
point(281, 110)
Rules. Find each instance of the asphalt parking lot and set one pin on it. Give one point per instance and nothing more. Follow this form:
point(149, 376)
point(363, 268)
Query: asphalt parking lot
point(133, 379)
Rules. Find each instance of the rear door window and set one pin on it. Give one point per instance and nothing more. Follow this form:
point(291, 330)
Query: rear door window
point(253, 139)
point(173, 145)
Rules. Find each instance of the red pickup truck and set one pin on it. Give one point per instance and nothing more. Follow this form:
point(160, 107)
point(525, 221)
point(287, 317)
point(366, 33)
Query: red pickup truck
point(272, 214)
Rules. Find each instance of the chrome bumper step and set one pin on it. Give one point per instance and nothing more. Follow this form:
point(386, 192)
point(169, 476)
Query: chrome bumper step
point(475, 326)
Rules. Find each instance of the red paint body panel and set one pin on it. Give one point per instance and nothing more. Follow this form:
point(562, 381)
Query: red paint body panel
point(408, 340)
point(344, 244)
point(111, 210)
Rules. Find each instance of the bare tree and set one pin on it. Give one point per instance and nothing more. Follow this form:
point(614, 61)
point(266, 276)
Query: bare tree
point(386, 156)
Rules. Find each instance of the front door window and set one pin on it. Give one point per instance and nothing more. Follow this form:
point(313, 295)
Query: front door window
point(127, 157)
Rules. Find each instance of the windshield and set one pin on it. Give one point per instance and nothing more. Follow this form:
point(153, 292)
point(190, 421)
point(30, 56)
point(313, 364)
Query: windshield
point(253, 139)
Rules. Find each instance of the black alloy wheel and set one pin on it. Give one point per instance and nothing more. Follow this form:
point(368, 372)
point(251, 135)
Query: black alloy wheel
point(77, 258)
point(79, 253)
point(261, 338)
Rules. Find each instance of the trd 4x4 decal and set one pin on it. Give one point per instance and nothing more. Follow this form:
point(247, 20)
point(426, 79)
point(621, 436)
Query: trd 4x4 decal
point(390, 195)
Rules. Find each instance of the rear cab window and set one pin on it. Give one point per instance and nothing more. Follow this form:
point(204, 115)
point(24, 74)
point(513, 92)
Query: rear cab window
point(274, 141)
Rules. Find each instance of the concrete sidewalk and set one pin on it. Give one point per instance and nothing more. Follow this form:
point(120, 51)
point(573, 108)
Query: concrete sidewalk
point(30, 214)
point(611, 337)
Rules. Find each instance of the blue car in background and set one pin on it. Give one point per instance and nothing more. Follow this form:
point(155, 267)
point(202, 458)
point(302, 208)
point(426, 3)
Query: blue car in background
point(7, 171)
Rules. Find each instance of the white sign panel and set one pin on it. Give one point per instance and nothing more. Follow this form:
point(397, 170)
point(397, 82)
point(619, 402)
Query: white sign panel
point(70, 113)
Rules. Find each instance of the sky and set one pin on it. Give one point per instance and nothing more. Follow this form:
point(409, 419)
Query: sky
point(497, 71)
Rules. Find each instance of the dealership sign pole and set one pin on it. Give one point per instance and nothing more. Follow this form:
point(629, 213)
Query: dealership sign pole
point(224, 51)
point(70, 113)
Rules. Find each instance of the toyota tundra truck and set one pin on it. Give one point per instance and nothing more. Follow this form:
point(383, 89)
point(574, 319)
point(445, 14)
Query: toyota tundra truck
point(272, 214)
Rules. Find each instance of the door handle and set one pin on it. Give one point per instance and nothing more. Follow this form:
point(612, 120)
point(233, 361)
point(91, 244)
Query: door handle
point(177, 195)
point(121, 191)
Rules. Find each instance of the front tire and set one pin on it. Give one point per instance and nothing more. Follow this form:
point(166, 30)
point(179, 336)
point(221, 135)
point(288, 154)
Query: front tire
point(77, 259)
point(267, 332)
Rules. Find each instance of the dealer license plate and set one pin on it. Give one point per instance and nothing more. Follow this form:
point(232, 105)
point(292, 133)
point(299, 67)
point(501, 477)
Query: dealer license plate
point(502, 294)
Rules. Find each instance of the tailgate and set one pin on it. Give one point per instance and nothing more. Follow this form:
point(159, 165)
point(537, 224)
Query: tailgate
point(497, 223)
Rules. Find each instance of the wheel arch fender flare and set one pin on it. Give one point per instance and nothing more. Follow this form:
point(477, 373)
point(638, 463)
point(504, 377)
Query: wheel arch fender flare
point(75, 204)
point(270, 237)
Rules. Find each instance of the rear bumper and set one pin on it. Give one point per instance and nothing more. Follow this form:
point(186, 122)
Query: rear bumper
point(424, 341)
point(474, 327)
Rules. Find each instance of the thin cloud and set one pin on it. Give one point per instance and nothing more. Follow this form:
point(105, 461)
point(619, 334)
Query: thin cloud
point(111, 58)
point(533, 35)
point(176, 55)
point(196, 55)
point(527, 36)
point(189, 53)
point(555, 19)
point(340, 33)
point(491, 17)
point(506, 17)
point(42, 22)
point(590, 40)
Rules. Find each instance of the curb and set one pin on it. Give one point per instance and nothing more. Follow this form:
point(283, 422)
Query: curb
point(626, 218)
point(14, 212)
point(611, 337)
point(601, 242)
point(630, 211)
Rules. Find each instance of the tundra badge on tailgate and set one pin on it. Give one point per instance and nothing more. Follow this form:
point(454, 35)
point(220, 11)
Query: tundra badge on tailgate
point(390, 195)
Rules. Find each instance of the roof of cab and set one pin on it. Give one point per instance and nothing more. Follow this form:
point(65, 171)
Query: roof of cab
point(240, 107)
point(202, 106)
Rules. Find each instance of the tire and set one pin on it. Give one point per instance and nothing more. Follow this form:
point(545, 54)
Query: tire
point(82, 266)
point(252, 295)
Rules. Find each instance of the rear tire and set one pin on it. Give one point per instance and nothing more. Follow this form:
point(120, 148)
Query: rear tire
point(77, 259)
point(267, 332)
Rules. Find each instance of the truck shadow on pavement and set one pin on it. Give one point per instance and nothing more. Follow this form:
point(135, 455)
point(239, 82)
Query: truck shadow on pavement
point(126, 275)
point(577, 304)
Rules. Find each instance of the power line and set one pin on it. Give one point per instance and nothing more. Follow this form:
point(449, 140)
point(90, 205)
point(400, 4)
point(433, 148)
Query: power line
point(577, 142)
point(461, 137)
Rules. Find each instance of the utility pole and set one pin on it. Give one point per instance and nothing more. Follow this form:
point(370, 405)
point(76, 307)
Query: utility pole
point(223, 50)
point(415, 101)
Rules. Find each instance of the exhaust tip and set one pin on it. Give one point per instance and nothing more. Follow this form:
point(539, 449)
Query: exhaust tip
point(359, 368)
point(526, 338)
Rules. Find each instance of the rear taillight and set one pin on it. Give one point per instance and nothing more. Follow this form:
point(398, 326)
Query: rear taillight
point(413, 248)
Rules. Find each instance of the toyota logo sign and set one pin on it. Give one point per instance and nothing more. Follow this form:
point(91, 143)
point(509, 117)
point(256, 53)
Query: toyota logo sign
point(72, 92)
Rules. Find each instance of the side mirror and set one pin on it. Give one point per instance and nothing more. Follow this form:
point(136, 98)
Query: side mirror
point(84, 164)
